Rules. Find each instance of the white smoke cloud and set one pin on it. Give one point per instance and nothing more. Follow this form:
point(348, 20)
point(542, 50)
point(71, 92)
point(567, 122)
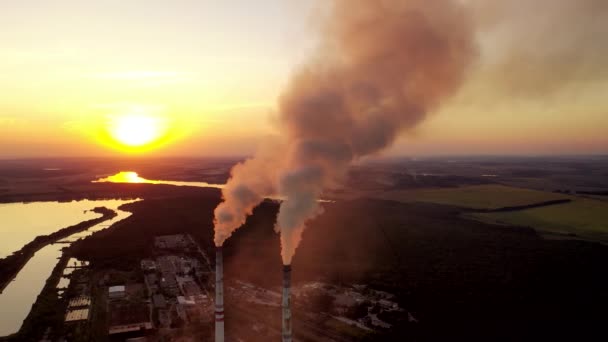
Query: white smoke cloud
point(381, 68)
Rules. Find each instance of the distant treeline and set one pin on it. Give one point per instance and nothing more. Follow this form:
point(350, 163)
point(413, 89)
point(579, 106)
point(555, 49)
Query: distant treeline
point(596, 193)
point(104, 191)
point(524, 207)
point(12, 264)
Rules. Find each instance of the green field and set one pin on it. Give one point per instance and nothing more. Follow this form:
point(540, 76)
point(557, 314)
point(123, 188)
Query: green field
point(586, 218)
point(491, 196)
point(597, 197)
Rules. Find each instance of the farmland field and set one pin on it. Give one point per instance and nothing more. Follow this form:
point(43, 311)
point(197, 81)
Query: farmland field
point(491, 196)
point(585, 218)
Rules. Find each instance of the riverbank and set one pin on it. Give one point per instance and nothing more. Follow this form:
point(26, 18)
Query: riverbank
point(47, 311)
point(12, 264)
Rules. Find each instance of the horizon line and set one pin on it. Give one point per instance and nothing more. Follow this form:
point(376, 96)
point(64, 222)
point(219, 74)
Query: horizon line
point(371, 158)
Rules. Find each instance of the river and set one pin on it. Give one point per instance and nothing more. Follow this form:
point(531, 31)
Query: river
point(21, 222)
point(133, 177)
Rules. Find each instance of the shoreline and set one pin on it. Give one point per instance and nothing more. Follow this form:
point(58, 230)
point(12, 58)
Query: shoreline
point(47, 295)
point(12, 264)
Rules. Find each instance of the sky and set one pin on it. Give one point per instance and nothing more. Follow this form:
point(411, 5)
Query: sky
point(212, 72)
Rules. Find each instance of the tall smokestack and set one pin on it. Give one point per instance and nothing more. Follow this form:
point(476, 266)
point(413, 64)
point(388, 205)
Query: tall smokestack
point(287, 303)
point(219, 296)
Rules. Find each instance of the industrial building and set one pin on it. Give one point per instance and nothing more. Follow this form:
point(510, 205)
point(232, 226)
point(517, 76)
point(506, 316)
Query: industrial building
point(77, 315)
point(116, 292)
point(78, 309)
point(128, 317)
point(79, 302)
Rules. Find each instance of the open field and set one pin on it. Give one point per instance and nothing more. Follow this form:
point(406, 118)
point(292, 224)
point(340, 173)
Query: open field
point(585, 218)
point(597, 197)
point(489, 196)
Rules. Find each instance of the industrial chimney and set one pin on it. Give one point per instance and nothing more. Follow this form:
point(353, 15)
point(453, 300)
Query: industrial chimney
point(286, 303)
point(219, 296)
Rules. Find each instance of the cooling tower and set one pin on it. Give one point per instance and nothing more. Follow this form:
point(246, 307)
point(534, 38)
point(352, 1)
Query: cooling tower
point(287, 303)
point(219, 296)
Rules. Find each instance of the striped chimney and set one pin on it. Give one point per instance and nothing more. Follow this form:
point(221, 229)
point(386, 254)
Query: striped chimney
point(219, 295)
point(287, 334)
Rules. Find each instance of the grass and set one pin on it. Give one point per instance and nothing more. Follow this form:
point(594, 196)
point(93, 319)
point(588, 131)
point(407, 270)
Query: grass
point(597, 197)
point(585, 218)
point(491, 196)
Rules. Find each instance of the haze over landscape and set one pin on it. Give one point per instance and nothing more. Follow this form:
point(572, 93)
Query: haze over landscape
point(333, 171)
point(211, 72)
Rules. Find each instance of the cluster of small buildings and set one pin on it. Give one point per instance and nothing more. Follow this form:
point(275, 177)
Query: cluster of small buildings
point(176, 282)
point(79, 305)
point(130, 314)
point(371, 303)
point(173, 286)
point(172, 292)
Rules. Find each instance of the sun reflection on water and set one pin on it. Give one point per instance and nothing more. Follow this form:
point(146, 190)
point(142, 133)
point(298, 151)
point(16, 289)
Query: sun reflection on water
point(133, 177)
point(124, 177)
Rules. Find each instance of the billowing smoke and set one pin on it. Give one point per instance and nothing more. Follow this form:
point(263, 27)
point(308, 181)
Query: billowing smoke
point(382, 67)
point(533, 49)
point(249, 183)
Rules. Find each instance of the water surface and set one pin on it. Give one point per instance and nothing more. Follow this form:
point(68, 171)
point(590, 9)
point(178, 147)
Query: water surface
point(20, 223)
point(133, 177)
point(44, 217)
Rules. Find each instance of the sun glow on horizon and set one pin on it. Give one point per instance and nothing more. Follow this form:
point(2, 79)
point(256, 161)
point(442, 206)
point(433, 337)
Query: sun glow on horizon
point(136, 130)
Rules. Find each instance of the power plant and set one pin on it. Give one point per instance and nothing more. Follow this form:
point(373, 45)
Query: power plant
point(286, 326)
point(219, 295)
point(286, 331)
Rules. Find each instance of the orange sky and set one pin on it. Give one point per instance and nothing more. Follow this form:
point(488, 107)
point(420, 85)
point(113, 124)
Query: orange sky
point(212, 71)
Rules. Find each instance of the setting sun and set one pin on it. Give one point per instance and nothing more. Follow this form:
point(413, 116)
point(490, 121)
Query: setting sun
point(136, 130)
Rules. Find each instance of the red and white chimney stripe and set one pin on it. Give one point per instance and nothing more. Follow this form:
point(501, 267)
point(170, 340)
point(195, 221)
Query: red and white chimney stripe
point(219, 296)
point(286, 324)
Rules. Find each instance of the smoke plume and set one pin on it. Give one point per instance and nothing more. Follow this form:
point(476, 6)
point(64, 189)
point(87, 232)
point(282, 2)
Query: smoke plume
point(381, 68)
point(536, 48)
point(249, 183)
